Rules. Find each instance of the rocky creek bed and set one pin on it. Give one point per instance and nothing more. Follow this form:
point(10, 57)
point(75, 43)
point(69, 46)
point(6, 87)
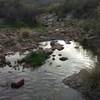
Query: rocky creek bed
point(45, 82)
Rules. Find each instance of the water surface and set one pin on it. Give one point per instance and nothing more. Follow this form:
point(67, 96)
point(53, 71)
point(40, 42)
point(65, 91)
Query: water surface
point(45, 83)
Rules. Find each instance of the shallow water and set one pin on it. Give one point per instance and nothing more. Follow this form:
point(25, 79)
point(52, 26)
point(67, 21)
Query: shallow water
point(45, 83)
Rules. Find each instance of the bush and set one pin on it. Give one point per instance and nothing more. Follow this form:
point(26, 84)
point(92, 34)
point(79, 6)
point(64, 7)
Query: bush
point(78, 8)
point(35, 58)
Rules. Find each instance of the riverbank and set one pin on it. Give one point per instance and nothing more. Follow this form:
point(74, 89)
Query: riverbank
point(15, 40)
point(86, 82)
point(46, 81)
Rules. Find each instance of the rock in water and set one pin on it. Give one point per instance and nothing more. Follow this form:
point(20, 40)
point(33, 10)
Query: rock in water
point(52, 43)
point(17, 83)
point(77, 47)
point(63, 58)
point(48, 51)
point(53, 55)
point(68, 42)
point(56, 45)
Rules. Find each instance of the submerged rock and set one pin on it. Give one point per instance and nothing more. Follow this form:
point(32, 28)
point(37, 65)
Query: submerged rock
point(53, 58)
point(53, 55)
point(63, 58)
point(4, 84)
point(17, 83)
point(58, 66)
point(59, 54)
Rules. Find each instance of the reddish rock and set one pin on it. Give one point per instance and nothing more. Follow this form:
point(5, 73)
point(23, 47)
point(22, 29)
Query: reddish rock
point(17, 83)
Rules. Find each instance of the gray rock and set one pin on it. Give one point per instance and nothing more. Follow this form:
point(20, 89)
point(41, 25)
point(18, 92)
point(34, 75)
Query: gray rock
point(76, 47)
point(68, 42)
point(48, 51)
point(58, 66)
point(56, 45)
point(53, 43)
point(53, 55)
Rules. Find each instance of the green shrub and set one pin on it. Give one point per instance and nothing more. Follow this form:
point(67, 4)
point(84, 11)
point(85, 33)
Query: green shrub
point(35, 58)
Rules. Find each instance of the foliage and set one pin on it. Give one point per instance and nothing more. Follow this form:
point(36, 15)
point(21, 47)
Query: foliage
point(79, 8)
point(36, 58)
point(14, 12)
